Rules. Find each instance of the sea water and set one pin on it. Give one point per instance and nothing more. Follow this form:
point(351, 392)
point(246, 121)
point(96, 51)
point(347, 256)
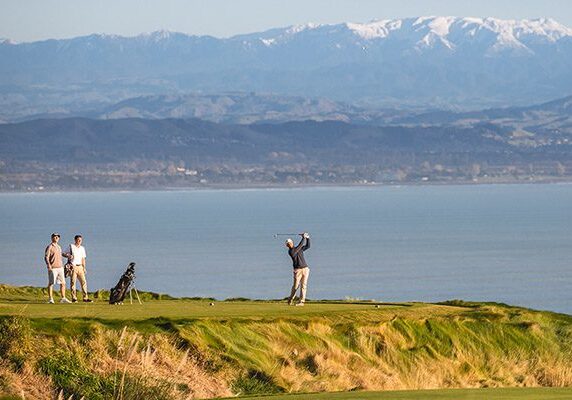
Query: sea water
point(503, 243)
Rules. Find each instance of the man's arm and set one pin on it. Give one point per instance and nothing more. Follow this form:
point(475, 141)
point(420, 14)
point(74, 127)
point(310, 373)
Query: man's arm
point(47, 255)
point(301, 245)
point(307, 246)
point(69, 254)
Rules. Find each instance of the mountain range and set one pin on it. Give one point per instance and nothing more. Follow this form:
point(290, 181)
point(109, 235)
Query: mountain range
point(438, 61)
point(551, 119)
point(87, 141)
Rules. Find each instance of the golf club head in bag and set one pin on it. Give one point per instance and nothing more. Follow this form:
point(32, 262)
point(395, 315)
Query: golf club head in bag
point(118, 293)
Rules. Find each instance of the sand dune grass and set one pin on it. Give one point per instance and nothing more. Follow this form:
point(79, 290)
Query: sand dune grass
point(488, 347)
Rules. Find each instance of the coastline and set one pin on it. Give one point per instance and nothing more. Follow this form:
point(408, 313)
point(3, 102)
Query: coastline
point(265, 186)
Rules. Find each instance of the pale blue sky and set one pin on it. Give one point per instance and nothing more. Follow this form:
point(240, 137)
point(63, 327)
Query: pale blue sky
point(29, 20)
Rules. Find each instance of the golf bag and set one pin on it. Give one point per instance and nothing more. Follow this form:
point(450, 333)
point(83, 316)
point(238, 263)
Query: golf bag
point(68, 269)
point(118, 293)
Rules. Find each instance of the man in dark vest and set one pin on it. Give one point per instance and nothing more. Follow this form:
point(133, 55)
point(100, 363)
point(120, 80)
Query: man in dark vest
point(301, 269)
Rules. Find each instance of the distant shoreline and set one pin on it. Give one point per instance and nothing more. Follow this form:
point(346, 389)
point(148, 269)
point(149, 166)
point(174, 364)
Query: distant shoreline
point(223, 187)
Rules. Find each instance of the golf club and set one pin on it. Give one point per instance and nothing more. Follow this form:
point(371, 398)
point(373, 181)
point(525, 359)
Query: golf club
point(286, 234)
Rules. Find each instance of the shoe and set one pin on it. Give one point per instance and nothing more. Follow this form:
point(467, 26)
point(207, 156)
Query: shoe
point(64, 300)
point(74, 300)
point(299, 304)
point(87, 300)
point(51, 301)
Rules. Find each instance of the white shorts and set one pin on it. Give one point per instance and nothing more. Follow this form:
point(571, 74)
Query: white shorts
point(56, 275)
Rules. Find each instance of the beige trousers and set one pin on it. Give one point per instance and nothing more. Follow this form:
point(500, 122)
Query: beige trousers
point(78, 273)
point(300, 281)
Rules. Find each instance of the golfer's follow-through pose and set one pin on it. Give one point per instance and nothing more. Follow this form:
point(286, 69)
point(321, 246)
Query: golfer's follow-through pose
point(301, 270)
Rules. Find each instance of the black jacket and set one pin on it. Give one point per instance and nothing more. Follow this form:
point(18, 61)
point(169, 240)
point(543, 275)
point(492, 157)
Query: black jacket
point(297, 254)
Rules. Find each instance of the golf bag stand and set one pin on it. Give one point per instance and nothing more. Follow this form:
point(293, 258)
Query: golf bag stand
point(126, 283)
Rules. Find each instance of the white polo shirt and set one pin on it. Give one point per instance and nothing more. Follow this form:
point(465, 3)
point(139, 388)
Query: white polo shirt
point(78, 253)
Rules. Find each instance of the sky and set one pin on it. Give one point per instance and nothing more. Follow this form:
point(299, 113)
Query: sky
point(30, 20)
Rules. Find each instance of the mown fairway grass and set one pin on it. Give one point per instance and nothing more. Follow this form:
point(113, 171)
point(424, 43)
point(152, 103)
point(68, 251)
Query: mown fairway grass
point(31, 303)
point(449, 394)
point(189, 309)
point(154, 315)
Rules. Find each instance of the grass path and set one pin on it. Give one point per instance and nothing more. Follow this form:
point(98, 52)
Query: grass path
point(449, 394)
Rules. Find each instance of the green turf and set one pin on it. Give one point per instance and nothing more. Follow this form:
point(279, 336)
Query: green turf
point(449, 394)
point(31, 303)
point(181, 309)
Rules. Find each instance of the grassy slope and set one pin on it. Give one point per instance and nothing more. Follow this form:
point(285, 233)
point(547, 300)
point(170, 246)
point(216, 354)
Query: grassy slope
point(265, 347)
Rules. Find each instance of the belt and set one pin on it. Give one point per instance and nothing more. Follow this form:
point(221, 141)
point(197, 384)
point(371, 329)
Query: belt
point(77, 265)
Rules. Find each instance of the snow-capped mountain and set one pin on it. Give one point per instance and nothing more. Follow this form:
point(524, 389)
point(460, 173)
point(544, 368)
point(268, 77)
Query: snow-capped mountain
point(485, 35)
point(436, 60)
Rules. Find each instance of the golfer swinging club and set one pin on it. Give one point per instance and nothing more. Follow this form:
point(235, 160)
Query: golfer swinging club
point(301, 270)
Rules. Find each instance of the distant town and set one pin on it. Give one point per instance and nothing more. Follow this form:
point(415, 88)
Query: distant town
point(163, 175)
point(90, 154)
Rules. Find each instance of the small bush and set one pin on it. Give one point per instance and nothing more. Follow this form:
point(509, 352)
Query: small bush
point(140, 387)
point(237, 299)
point(309, 363)
point(17, 361)
point(255, 382)
point(459, 303)
point(69, 375)
point(15, 338)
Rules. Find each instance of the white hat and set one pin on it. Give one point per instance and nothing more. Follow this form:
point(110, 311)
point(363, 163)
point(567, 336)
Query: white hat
point(289, 241)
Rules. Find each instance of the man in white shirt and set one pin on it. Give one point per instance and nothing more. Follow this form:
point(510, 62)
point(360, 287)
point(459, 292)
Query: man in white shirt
point(78, 256)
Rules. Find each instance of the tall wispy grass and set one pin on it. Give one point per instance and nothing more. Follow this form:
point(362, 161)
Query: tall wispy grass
point(491, 346)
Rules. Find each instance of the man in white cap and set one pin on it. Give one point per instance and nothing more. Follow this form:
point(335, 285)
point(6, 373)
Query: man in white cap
point(53, 258)
point(301, 269)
